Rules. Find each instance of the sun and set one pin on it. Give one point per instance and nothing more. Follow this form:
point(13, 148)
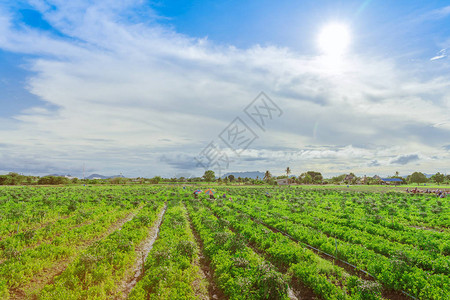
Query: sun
point(334, 39)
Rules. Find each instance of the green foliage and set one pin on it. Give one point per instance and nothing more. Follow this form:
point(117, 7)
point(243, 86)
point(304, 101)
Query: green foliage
point(438, 178)
point(363, 289)
point(240, 272)
point(209, 176)
point(399, 238)
point(97, 269)
point(17, 179)
point(42, 227)
point(310, 177)
point(376, 232)
point(156, 180)
point(53, 180)
point(169, 269)
point(417, 177)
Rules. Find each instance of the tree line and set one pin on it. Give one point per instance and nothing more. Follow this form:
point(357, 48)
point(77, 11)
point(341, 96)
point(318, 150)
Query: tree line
point(309, 177)
point(315, 177)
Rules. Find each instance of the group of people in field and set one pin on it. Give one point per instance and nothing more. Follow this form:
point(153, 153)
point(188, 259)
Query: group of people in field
point(438, 193)
point(211, 196)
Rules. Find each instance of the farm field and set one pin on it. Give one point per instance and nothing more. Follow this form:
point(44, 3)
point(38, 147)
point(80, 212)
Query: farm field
point(160, 242)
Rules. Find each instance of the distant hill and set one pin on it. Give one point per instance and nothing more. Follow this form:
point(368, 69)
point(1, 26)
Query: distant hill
point(98, 176)
point(252, 175)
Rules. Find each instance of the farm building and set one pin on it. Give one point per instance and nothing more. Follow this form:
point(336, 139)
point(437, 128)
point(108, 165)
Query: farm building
point(349, 177)
point(283, 181)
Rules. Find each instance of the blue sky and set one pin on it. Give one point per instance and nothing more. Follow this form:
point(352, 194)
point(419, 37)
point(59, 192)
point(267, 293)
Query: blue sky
point(142, 87)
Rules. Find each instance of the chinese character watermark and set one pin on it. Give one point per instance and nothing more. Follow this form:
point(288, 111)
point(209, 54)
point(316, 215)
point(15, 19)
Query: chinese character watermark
point(262, 109)
point(238, 135)
point(213, 157)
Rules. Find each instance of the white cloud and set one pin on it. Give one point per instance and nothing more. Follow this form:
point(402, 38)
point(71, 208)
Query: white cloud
point(440, 55)
point(138, 97)
point(440, 13)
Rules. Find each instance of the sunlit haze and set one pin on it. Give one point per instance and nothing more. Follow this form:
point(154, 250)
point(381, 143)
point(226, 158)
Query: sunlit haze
point(334, 39)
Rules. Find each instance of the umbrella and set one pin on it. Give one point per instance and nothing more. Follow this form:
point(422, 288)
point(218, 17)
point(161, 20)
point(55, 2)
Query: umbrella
point(210, 192)
point(197, 191)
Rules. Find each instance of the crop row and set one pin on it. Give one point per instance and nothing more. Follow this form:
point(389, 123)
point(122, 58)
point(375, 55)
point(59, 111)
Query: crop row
point(322, 276)
point(394, 272)
point(239, 271)
point(385, 228)
point(171, 269)
point(428, 260)
point(96, 271)
point(25, 209)
point(17, 243)
point(22, 266)
point(400, 208)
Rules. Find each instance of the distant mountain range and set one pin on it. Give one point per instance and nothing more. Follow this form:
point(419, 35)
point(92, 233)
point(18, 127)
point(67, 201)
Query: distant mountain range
point(98, 176)
point(92, 176)
point(252, 175)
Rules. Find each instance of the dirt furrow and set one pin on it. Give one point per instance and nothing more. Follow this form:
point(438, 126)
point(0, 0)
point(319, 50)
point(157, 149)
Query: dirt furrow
point(205, 265)
point(132, 278)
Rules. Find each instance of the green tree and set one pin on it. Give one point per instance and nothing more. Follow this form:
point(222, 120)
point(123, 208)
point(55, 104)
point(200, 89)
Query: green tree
point(231, 177)
point(438, 178)
point(338, 179)
point(209, 176)
point(156, 180)
point(117, 180)
point(13, 179)
point(53, 180)
point(418, 177)
point(306, 178)
point(316, 177)
point(310, 177)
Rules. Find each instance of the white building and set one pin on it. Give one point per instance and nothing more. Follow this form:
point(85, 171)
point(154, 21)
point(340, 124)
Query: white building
point(283, 181)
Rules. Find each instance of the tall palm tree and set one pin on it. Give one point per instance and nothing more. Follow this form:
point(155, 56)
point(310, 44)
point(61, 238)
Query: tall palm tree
point(288, 171)
point(267, 176)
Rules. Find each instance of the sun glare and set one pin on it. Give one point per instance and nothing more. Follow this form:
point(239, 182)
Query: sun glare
point(334, 39)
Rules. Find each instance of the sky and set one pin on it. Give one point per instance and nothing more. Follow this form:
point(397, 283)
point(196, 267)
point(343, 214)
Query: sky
point(173, 88)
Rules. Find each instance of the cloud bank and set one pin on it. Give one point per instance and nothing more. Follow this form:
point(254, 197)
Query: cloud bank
point(127, 95)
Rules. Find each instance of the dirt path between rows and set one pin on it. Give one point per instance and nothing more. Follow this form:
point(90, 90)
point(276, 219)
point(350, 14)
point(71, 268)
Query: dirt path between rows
point(427, 228)
point(46, 277)
point(206, 272)
point(132, 278)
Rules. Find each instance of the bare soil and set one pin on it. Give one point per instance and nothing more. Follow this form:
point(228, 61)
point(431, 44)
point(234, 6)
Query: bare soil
point(214, 291)
point(132, 278)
